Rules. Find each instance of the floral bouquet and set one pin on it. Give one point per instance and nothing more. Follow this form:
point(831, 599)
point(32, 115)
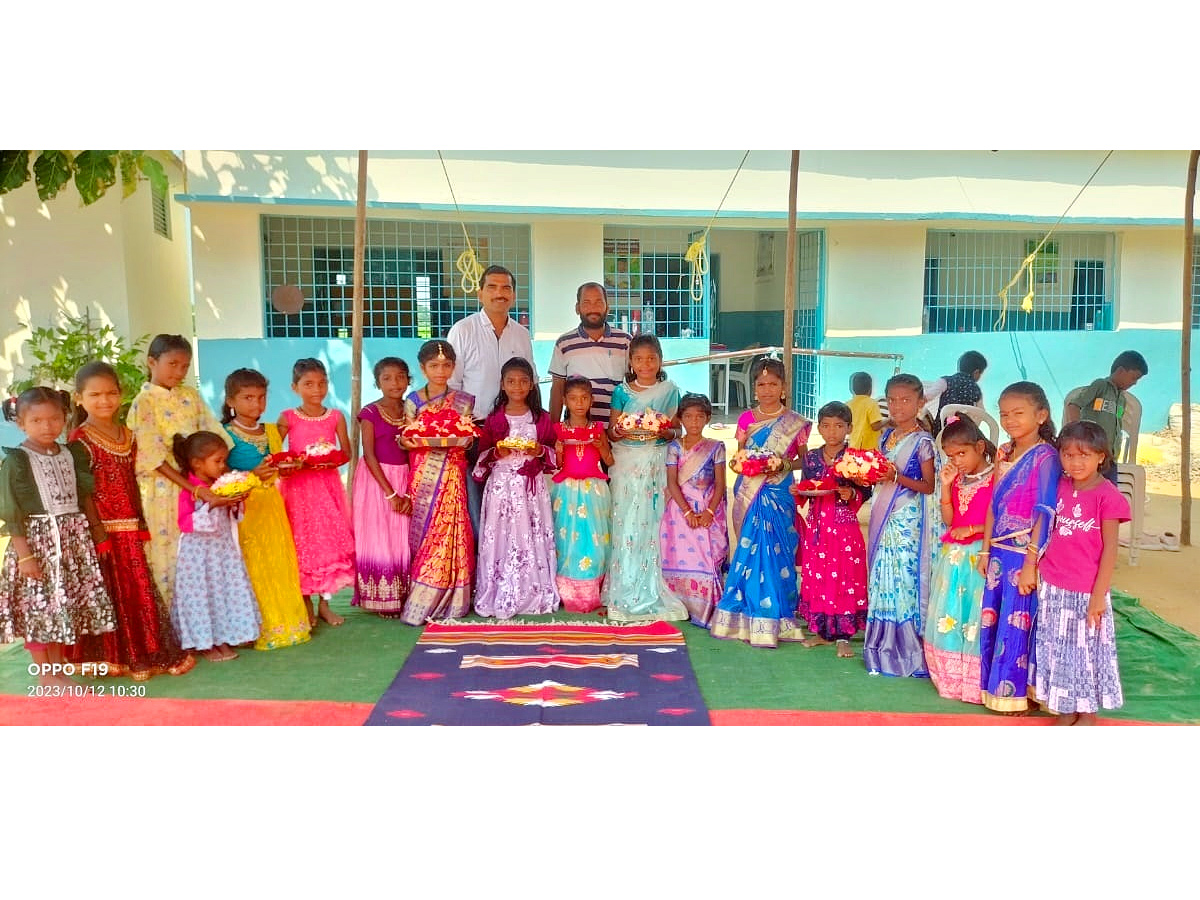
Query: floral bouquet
point(235, 484)
point(518, 444)
point(324, 455)
point(862, 467)
point(753, 461)
point(646, 425)
point(440, 428)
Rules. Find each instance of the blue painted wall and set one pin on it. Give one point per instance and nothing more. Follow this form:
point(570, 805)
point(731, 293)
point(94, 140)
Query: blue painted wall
point(1057, 360)
point(274, 358)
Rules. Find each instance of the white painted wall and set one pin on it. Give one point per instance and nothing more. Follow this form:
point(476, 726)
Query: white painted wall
point(156, 268)
point(105, 258)
point(1136, 184)
point(57, 256)
point(565, 253)
point(1150, 278)
point(875, 278)
point(227, 271)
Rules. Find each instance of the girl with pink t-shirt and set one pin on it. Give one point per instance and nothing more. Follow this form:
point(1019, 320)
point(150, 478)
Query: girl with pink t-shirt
point(956, 585)
point(1074, 667)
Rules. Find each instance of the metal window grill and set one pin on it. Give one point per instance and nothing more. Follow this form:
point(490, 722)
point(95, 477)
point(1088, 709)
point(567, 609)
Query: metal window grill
point(1196, 282)
point(159, 212)
point(411, 286)
point(806, 374)
point(648, 281)
point(1072, 278)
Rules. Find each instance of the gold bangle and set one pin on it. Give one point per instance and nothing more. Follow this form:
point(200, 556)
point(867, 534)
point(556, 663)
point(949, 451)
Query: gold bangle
point(196, 491)
point(21, 559)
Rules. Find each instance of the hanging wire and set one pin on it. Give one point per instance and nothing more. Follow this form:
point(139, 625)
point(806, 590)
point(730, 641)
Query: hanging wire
point(1027, 300)
point(697, 255)
point(467, 263)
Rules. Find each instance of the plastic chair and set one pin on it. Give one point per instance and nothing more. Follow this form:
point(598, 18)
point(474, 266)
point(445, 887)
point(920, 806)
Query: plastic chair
point(739, 379)
point(980, 416)
point(1131, 482)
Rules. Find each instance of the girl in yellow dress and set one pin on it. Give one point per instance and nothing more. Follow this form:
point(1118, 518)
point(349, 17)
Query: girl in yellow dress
point(264, 533)
point(164, 407)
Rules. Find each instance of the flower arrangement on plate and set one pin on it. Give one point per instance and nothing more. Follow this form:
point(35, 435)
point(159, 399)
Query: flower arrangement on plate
point(862, 467)
point(517, 444)
point(815, 487)
point(235, 484)
point(646, 425)
point(324, 455)
point(440, 428)
point(285, 461)
point(754, 461)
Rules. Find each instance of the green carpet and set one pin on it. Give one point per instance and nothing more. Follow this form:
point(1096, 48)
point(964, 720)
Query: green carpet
point(1160, 670)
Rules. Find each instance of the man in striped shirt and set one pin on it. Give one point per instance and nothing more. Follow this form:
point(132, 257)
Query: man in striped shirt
point(594, 350)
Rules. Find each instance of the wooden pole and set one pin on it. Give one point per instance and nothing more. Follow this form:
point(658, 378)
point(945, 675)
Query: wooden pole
point(1185, 357)
point(356, 320)
point(789, 279)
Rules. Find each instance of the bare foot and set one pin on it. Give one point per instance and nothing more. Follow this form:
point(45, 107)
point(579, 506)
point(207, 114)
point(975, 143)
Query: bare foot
point(1066, 719)
point(1085, 719)
point(844, 651)
point(328, 614)
point(813, 640)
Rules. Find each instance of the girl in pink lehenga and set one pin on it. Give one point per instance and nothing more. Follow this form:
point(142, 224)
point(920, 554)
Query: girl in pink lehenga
point(694, 534)
point(382, 507)
point(315, 498)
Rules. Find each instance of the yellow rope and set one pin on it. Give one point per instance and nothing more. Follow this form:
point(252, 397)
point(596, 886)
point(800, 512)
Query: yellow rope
point(697, 254)
point(467, 262)
point(1027, 301)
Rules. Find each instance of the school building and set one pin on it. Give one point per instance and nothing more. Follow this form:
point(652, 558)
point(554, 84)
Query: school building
point(898, 252)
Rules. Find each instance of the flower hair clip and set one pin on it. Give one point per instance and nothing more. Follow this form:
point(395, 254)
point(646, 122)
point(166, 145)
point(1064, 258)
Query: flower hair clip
point(950, 420)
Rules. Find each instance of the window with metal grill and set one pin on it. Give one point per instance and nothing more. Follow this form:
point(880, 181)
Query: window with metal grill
point(411, 286)
point(1072, 280)
point(649, 282)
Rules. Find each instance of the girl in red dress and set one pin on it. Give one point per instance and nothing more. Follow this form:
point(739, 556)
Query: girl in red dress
point(831, 552)
point(144, 644)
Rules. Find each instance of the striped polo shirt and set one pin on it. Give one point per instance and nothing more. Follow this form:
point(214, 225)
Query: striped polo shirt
point(604, 363)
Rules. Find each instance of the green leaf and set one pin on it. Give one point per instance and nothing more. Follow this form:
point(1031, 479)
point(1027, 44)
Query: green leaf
point(153, 170)
point(129, 172)
point(14, 169)
point(51, 170)
point(95, 173)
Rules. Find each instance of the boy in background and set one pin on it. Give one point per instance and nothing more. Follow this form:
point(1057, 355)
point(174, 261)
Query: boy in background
point(866, 419)
point(1103, 402)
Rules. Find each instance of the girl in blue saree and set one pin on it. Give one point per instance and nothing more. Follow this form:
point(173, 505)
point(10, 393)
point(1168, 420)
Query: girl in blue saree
point(759, 602)
point(900, 540)
point(1016, 532)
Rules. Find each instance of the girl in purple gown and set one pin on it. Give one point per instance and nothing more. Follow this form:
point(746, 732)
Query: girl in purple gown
point(517, 558)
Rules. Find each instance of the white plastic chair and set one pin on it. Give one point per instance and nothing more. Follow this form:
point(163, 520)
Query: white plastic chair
point(980, 417)
point(739, 377)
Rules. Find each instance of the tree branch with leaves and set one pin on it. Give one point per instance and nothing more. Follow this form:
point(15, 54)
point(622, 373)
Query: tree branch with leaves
point(93, 171)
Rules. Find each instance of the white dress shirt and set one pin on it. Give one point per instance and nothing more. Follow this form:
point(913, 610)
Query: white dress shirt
point(481, 355)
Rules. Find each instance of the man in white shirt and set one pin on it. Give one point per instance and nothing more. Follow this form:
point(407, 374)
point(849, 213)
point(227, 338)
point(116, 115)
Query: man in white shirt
point(483, 342)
